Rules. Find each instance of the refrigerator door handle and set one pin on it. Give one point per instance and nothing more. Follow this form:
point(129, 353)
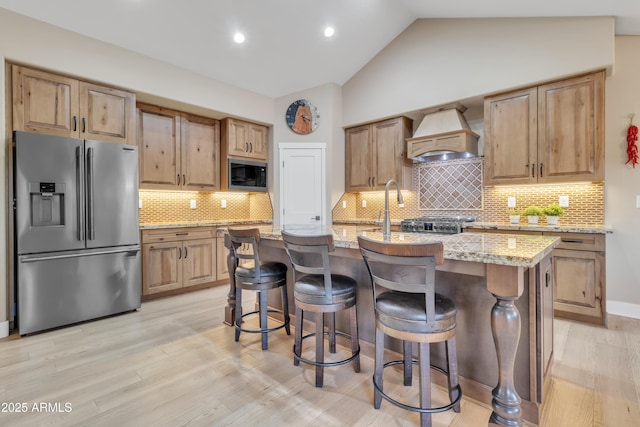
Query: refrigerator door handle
point(79, 204)
point(78, 254)
point(91, 231)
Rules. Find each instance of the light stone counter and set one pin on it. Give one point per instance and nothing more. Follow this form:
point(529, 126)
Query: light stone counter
point(212, 223)
point(503, 249)
point(568, 228)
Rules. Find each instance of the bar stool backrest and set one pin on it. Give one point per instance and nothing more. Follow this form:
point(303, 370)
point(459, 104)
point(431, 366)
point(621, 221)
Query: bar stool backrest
point(250, 236)
point(310, 255)
point(403, 267)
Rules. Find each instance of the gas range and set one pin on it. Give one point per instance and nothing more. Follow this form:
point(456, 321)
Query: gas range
point(435, 224)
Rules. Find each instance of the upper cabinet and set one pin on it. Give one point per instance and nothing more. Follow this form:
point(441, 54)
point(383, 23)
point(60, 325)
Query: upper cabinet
point(375, 153)
point(49, 103)
point(546, 134)
point(177, 151)
point(244, 139)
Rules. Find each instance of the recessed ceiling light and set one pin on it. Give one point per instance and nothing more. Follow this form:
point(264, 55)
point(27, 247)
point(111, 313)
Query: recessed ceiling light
point(238, 37)
point(329, 31)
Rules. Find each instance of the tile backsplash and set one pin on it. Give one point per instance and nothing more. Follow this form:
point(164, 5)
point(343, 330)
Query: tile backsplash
point(458, 191)
point(174, 206)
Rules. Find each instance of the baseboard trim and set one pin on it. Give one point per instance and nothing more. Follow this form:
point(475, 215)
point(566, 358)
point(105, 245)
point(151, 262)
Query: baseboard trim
point(625, 309)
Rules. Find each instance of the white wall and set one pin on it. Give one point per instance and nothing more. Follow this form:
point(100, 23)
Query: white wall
point(435, 62)
point(327, 98)
point(622, 182)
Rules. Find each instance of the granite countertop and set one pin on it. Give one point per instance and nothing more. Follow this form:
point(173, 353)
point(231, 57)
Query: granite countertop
point(504, 249)
point(568, 228)
point(212, 223)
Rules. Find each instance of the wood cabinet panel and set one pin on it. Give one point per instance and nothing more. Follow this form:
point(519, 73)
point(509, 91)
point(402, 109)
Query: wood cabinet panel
point(49, 103)
point(546, 134)
point(177, 151)
point(221, 259)
point(107, 114)
point(200, 149)
point(511, 137)
point(571, 129)
point(376, 153)
point(199, 259)
point(244, 139)
point(161, 267)
point(179, 258)
point(158, 147)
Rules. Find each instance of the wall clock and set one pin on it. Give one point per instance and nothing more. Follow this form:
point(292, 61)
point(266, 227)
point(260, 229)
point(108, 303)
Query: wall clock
point(302, 117)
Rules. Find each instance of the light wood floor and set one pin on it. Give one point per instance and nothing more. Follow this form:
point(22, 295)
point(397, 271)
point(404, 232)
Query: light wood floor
point(174, 363)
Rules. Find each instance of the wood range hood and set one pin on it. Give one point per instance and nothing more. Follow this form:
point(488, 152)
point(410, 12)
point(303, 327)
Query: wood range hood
point(443, 134)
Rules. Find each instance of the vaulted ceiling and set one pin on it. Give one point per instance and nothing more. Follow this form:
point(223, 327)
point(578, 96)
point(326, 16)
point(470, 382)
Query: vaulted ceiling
point(285, 50)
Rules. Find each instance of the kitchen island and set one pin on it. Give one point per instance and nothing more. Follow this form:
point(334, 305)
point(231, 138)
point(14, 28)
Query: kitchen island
point(502, 287)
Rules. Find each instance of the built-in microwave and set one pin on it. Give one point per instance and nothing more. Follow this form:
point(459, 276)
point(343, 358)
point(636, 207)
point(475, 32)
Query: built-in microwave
point(246, 175)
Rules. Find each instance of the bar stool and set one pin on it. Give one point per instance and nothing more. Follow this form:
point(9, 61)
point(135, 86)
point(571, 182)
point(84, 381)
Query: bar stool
point(258, 277)
point(317, 290)
point(407, 308)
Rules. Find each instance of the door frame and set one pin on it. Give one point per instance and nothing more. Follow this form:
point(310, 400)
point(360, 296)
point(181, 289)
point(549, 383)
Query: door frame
point(282, 148)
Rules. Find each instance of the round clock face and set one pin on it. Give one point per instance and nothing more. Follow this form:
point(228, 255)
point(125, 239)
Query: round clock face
point(302, 117)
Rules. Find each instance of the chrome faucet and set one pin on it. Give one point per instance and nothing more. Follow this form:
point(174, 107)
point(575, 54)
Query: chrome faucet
point(386, 224)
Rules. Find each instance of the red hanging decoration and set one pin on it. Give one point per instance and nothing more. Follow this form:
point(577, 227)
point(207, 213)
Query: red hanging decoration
point(632, 148)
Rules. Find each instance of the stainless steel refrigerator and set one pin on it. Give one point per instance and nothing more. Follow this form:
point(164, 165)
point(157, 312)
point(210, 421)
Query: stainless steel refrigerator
point(76, 228)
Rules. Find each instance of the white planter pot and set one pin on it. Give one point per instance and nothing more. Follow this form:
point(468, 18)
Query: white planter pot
point(514, 219)
point(532, 219)
point(552, 220)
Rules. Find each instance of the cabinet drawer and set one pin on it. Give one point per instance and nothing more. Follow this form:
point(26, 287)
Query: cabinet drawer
point(174, 234)
point(579, 241)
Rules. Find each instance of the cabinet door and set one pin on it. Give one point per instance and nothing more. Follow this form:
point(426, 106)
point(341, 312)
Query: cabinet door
point(578, 285)
point(258, 142)
point(236, 137)
point(44, 102)
point(162, 267)
point(200, 153)
point(358, 159)
point(158, 148)
point(389, 159)
point(199, 259)
point(571, 129)
point(221, 257)
point(107, 114)
point(510, 138)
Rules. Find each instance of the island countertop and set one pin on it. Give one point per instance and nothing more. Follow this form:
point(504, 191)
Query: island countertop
point(502, 249)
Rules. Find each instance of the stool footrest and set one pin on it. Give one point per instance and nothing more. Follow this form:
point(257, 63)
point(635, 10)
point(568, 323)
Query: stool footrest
point(259, 331)
point(299, 358)
point(415, 408)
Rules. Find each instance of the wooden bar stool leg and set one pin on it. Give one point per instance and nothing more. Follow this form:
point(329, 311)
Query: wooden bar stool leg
point(354, 337)
point(452, 367)
point(407, 357)
point(425, 383)
point(331, 325)
point(379, 362)
point(238, 312)
point(319, 348)
point(263, 317)
point(297, 345)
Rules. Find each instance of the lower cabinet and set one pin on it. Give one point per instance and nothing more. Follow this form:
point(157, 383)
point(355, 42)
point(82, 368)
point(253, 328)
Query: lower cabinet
point(223, 267)
point(178, 258)
point(579, 279)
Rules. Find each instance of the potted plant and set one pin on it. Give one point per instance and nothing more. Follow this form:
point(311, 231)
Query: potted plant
point(532, 213)
point(552, 212)
point(514, 216)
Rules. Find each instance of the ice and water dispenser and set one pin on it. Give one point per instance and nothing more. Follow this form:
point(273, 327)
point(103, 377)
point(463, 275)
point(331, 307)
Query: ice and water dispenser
point(47, 204)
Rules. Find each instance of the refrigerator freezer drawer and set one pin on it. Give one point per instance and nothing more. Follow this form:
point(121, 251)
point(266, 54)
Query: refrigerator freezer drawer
point(63, 288)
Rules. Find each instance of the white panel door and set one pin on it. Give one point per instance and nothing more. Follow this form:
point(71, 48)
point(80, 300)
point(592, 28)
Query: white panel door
point(302, 184)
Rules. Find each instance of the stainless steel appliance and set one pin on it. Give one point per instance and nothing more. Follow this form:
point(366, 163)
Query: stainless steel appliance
point(247, 175)
point(435, 224)
point(76, 225)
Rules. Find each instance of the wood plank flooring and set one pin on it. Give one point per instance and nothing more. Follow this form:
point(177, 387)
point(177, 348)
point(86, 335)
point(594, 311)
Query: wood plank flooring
point(174, 363)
